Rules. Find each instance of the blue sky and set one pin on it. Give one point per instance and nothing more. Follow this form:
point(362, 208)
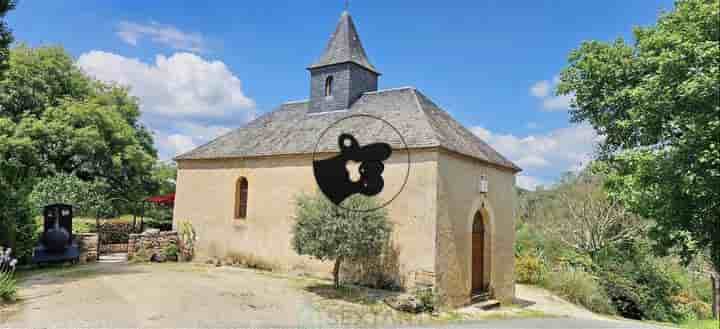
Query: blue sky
point(200, 70)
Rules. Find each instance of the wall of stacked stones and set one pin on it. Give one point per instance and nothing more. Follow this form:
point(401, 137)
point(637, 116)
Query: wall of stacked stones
point(152, 242)
point(88, 244)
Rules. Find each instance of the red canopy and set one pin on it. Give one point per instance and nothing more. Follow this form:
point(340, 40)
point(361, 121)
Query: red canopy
point(165, 200)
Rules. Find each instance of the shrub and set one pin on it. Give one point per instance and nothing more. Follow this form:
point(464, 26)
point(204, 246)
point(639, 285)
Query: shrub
point(171, 250)
point(428, 298)
point(578, 286)
point(529, 269)
point(642, 286)
point(187, 238)
point(8, 286)
point(328, 232)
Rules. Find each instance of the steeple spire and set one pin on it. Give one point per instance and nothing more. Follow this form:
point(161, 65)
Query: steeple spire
point(344, 46)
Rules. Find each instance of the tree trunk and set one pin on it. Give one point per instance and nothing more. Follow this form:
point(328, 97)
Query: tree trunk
point(336, 272)
point(716, 294)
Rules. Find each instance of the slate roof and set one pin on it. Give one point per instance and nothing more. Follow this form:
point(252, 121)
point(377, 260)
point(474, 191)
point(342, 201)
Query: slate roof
point(292, 130)
point(344, 46)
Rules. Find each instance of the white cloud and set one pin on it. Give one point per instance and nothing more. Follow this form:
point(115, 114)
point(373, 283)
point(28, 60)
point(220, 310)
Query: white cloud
point(528, 182)
point(185, 137)
point(545, 155)
point(167, 35)
point(175, 144)
point(557, 103)
point(540, 89)
point(481, 132)
point(203, 133)
point(544, 90)
point(182, 85)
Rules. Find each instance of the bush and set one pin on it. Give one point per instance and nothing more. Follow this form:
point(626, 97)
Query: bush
point(8, 286)
point(171, 250)
point(529, 269)
point(578, 286)
point(330, 233)
point(642, 286)
point(428, 298)
point(187, 238)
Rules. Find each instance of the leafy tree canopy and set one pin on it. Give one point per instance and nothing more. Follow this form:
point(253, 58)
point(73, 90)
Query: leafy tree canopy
point(328, 232)
point(657, 104)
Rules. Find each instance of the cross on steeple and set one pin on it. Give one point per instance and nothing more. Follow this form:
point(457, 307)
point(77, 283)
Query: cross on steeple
point(347, 5)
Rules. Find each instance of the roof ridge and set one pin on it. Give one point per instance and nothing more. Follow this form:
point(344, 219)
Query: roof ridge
point(429, 120)
point(388, 90)
point(506, 162)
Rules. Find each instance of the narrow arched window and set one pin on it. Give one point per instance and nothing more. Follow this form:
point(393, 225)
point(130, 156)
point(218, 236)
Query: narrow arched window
point(241, 198)
point(328, 86)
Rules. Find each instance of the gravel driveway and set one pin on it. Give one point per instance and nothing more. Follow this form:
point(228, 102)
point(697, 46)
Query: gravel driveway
point(186, 295)
point(158, 295)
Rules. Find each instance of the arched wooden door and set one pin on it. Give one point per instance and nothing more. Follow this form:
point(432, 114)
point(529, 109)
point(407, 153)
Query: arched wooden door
point(478, 246)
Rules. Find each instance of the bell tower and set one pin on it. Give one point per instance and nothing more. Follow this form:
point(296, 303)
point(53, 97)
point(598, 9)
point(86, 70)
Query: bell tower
point(343, 72)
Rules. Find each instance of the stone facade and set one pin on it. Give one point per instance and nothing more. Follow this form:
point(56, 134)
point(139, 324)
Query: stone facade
point(153, 242)
point(432, 217)
point(88, 244)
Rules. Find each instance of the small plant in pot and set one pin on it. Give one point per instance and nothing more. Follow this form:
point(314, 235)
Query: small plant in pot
point(171, 252)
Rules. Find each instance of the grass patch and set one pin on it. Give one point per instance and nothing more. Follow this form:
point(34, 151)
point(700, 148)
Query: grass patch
point(701, 324)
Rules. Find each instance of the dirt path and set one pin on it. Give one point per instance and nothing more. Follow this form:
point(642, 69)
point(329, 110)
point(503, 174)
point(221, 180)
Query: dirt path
point(116, 294)
point(539, 299)
point(158, 295)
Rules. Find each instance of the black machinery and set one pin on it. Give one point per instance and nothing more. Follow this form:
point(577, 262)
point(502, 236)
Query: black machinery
point(57, 242)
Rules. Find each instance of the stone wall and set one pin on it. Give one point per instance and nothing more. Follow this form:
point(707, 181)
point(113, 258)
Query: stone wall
point(88, 244)
point(151, 242)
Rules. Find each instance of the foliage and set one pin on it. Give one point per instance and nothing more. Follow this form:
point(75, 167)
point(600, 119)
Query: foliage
point(8, 286)
point(656, 104)
point(165, 174)
point(636, 282)
point(328, 232)
point(529, 269)
point(56, 120)
point(428, 298)
point(6, 37)
point(188, 238)
point(171, 250)
point(86, 197)
point(579, 287)
point(159, 217)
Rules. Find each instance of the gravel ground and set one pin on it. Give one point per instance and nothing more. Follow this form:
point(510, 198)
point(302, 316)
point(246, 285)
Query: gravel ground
point(118, 295)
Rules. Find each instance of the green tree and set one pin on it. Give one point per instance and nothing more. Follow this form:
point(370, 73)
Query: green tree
point(56, 120)
point(165, 174)
point(6, 37)
point(330, 233)
point(657, 103)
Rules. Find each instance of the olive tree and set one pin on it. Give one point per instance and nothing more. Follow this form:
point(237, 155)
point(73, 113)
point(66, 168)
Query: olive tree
point(330, 233)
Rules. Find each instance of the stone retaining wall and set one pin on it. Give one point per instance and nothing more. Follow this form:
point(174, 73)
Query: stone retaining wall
point(152, 242)
point(88, 244)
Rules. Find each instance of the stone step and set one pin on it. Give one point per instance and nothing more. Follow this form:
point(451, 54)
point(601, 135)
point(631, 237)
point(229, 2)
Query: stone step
point(479, 297)
point(488, 304)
